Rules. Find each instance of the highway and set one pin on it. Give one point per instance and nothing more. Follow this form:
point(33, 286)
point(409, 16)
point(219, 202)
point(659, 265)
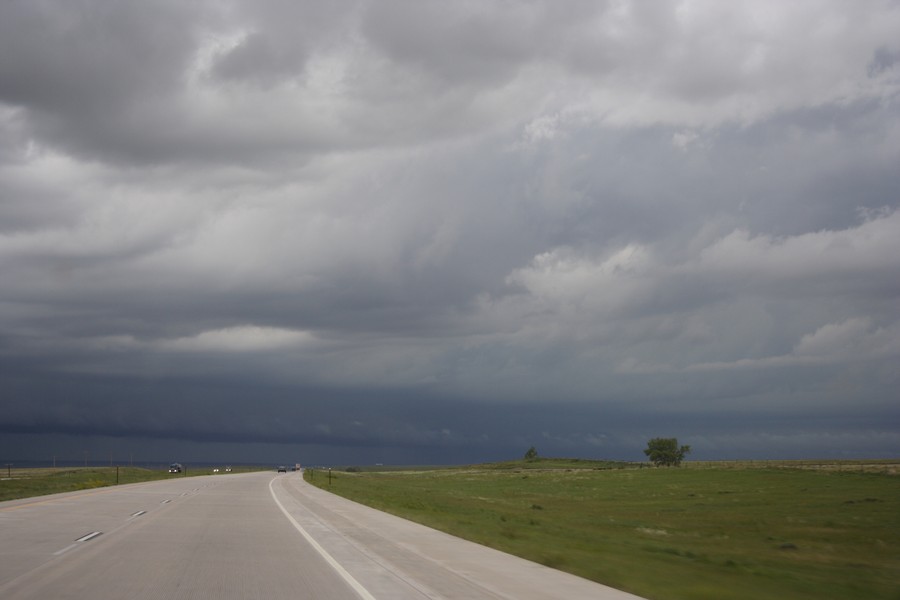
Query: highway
point(242, 536)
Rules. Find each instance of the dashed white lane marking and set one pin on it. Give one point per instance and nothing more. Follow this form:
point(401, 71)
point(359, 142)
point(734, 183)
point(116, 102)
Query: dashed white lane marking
point(89, 536)
point(138, 513)
point(86, 537)
point(66, 549)
point(351, 581)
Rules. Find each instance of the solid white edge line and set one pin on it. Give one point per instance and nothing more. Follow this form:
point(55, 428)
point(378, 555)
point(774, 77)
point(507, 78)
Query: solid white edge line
point(357, 587)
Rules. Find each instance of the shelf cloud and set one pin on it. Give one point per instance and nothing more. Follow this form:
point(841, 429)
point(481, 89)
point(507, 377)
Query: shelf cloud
point(427, 232)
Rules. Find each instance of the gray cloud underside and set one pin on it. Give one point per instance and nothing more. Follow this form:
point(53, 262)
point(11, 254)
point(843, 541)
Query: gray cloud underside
point(399, 223)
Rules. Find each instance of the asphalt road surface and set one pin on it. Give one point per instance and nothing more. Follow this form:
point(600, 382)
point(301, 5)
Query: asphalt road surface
point(248, 536)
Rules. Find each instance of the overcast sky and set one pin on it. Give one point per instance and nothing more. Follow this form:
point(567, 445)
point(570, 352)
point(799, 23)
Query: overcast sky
point(443, 232)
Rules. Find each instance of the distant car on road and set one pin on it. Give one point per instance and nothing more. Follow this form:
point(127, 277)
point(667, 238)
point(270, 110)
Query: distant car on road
point(282, 469)
point(175, 468)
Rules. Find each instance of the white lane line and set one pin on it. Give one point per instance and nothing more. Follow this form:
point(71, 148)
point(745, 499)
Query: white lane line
point(86, 537)
point(165, 501)
point(357, 586)
point(138, 513)
point(66, 549)
point(89, 536)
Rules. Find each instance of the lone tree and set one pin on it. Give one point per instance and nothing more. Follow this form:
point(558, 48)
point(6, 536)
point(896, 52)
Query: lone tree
point(665, 451)
point(531, 454)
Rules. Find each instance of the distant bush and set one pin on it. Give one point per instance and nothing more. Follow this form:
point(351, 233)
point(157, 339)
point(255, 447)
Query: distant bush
point(665, 452)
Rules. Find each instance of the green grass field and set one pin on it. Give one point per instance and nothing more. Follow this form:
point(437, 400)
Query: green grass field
point(736, 531)
point(26, 483)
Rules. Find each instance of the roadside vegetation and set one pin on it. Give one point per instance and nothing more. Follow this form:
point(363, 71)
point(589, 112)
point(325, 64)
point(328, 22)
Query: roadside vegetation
point(785, 529)
point(26, 483)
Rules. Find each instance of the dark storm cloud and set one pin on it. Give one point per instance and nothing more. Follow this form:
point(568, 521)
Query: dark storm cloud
point(257, 59)
point(84, 73)
point(456, 229)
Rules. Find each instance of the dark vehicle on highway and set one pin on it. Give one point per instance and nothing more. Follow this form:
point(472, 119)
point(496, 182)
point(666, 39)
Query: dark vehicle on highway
point(175, 468)
point(282, 469)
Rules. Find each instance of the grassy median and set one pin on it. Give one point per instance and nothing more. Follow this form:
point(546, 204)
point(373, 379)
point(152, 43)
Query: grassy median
point(760, 531)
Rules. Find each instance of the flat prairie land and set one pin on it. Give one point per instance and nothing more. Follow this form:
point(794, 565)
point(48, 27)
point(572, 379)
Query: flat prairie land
point(26, 483)
point(708, 531)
